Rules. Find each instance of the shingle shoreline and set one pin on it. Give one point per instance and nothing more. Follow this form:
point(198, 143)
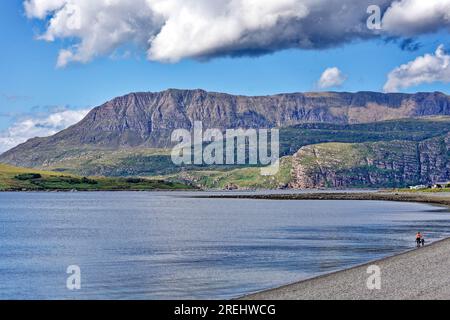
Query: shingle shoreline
point(417, 274)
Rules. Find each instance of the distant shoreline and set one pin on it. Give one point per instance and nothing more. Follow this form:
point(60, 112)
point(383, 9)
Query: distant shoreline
point(430, 198)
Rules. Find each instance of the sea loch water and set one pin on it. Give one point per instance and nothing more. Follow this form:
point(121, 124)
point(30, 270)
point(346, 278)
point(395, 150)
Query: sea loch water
point(168, 245)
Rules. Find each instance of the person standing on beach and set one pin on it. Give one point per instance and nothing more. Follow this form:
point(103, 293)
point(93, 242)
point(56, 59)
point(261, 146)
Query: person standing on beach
point(418, 239)
point(422, 240)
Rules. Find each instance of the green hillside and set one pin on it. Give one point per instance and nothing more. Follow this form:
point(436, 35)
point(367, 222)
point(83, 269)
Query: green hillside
point(20, 179)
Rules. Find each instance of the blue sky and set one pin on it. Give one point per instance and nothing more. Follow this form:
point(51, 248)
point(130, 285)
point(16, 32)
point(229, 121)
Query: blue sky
point(32, 84)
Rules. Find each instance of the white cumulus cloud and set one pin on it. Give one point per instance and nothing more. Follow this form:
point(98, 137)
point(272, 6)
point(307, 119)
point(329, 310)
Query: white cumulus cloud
point(31, 127)
point(203, 27)
point(171, 30)
point(331, 77)
point(101, 25)
point(424, 69)
point(412, 17)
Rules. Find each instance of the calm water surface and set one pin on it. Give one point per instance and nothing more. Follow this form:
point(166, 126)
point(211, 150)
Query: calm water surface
point(168, 246)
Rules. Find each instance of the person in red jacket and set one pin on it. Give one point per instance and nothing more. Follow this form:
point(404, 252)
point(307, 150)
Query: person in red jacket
point(418, 239)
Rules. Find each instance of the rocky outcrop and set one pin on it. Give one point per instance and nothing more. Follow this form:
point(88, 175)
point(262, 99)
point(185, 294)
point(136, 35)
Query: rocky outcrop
point(379, 164)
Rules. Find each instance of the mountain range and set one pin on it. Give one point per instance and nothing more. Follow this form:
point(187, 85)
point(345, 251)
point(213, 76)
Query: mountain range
point(130, 136)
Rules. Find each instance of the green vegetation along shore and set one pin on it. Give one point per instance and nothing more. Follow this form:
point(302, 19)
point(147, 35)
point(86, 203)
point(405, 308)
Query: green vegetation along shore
point(22, 179)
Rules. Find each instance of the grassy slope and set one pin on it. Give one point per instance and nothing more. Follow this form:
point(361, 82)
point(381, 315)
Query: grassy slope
point(46, 180)
point(244, 178)
point(115, 163)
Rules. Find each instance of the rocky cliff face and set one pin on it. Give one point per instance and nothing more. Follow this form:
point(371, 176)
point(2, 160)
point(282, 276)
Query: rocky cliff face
point(379, 164)
point(149, 118)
